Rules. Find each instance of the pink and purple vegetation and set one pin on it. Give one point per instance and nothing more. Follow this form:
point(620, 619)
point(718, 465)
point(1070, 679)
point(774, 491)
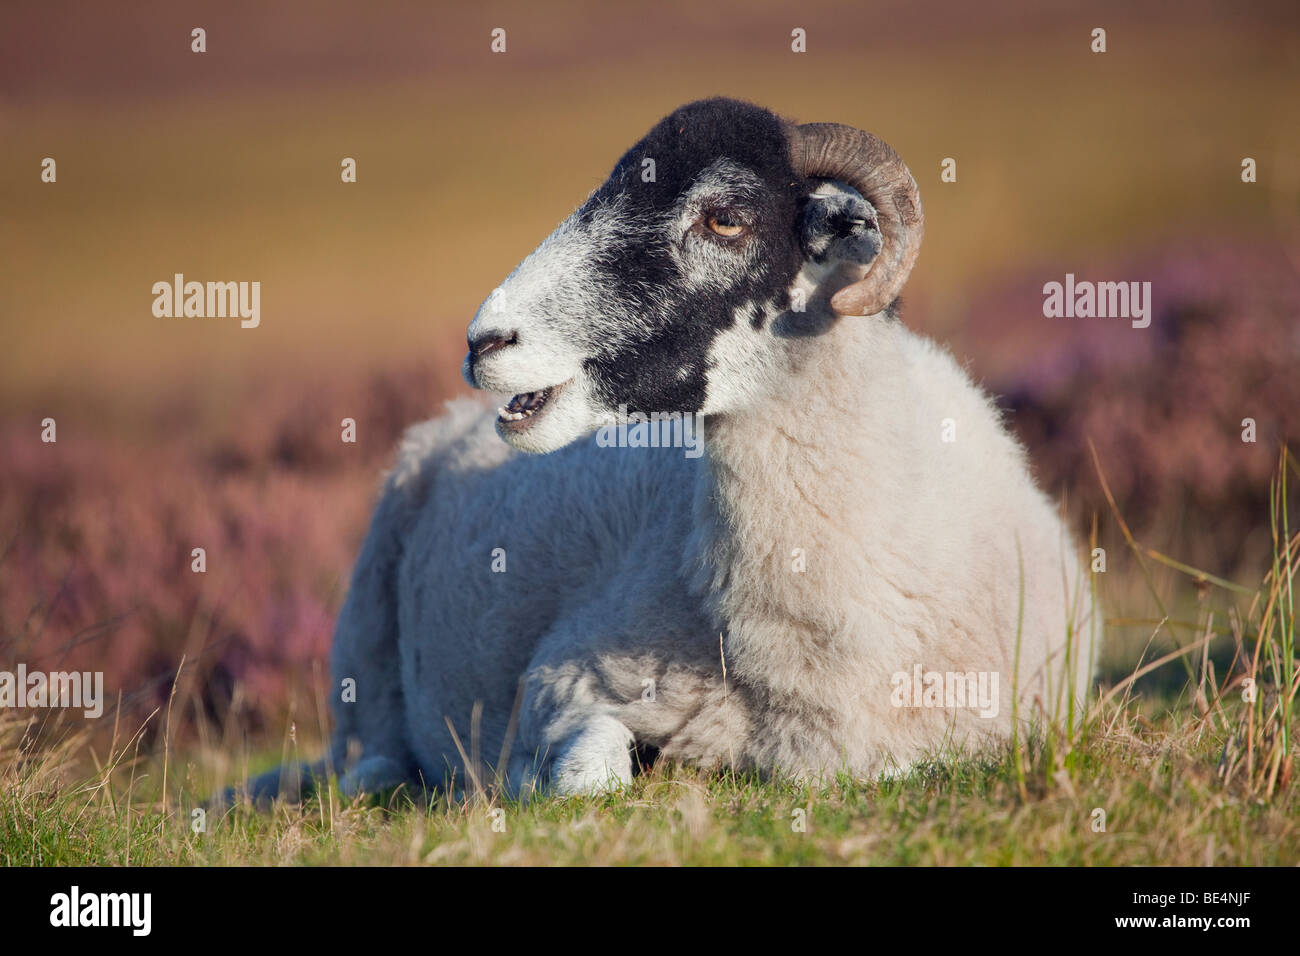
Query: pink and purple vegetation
point(97, 538)
point(1163, 405)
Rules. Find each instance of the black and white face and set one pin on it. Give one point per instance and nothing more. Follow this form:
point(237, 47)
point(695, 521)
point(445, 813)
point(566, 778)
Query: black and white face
point(666, 291)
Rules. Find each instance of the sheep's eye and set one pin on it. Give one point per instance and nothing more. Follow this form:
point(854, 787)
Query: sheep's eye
point(725, 225)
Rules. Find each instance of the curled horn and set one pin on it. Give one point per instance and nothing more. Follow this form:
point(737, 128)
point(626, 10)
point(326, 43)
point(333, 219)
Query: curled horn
point(869, 165)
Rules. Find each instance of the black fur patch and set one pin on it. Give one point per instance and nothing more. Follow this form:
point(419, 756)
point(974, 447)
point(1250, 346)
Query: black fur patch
point(643, 276)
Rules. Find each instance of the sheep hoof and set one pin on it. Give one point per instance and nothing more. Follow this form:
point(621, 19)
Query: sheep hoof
point(597, 759)
point(289, 782)
point(372, 775)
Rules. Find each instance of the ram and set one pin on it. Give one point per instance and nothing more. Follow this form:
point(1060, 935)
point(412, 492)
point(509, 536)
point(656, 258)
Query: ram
point(859, 512)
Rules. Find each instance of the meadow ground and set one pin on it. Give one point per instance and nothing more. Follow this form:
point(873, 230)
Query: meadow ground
point(1156, 782)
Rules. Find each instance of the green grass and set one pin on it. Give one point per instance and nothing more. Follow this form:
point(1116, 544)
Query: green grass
point(1156, 782)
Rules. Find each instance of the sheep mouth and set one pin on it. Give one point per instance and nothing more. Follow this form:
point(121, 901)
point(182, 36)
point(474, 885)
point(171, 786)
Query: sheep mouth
point(526, 408)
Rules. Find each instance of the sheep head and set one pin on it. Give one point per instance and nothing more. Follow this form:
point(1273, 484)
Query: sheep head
point(720, 237)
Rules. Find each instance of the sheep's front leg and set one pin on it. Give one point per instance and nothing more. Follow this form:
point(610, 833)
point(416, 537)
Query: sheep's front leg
point(578, 718)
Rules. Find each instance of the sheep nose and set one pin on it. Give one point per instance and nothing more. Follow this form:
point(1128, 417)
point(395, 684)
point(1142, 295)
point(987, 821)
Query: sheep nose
point(489, 343)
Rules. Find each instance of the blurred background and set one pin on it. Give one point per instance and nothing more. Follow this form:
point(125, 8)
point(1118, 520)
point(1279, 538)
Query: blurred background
point(182, 433)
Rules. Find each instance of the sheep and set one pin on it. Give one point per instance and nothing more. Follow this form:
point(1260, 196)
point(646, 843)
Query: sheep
point(843, 581)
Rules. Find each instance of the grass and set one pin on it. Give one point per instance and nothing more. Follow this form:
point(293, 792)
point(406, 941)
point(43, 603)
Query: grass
point(1156, 782)
point(1190, 773)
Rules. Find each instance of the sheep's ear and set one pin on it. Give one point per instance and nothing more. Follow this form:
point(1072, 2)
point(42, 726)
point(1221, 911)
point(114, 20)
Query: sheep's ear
point(838, 224)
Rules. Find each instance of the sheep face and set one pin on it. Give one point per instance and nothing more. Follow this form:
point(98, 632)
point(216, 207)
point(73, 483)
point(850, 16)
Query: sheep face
point(678, 286)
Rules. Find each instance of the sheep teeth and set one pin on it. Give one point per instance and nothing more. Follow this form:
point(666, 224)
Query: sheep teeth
point(524, 405)
point(527, 404)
